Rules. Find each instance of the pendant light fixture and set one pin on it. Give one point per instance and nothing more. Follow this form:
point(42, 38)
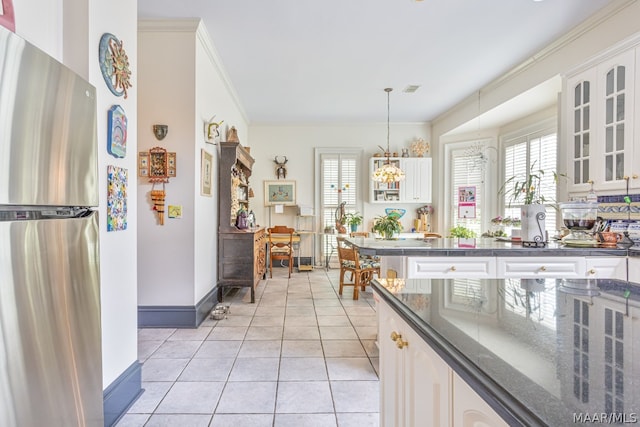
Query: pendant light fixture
point(388, 172)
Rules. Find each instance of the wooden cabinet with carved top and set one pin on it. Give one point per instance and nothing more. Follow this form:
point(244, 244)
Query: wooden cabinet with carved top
point(241, 253)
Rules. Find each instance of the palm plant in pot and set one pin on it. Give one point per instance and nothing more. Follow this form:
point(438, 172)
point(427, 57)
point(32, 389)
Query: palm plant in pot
point(354, 219)
point(387, 225)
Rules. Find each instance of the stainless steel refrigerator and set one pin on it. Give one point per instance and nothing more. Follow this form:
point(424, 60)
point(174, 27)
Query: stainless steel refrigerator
point(50, 336)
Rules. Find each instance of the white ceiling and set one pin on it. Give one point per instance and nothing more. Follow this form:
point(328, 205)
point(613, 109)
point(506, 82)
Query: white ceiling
point(298, 61)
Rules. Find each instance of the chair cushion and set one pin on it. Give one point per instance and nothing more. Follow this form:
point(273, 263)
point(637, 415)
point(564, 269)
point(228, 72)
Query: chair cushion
point(280, 250)
point(364, 263)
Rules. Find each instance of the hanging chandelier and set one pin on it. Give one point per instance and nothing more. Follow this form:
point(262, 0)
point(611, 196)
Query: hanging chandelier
point(388, 172)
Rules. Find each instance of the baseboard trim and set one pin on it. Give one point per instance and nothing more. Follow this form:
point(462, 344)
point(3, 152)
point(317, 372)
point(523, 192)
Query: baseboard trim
point(122, 393)
point(177, 316)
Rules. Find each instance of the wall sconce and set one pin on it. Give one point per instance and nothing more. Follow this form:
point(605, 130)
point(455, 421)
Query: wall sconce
point(160, 131)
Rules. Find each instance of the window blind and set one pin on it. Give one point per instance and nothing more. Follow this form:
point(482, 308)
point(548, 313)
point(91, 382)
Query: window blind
point(466, 173)
point(532, 153)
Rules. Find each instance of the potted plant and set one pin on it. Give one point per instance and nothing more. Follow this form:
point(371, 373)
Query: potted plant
point(354, 219)
point(527, 192)
point(462, 232)
point(387, 225)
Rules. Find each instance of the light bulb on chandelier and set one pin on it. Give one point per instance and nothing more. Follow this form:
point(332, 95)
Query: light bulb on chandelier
point(388, 172)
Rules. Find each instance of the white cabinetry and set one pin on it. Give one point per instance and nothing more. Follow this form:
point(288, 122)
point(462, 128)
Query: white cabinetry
point(417, 387)
point(417, 185)
point(513, 267)
point(414, 380)
point(469, 410)
point(600, 123)
point(415, 188)
point(451, 267)
point(541, 267)
point(606, 268)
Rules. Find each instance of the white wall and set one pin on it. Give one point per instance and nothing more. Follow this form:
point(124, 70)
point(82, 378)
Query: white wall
point(40, 22)
point(118, 265)
point(178, 260)
point(298, 144)
point(214, 97)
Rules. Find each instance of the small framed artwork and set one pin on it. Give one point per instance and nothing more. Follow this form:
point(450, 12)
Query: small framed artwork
point(143, 164)
point(117, 132)
point(206, 166)
point(279, 193)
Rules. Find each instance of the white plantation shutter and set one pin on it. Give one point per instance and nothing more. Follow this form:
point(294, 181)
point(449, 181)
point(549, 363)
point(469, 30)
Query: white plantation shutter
point(531, 153)
point(338, 183)
point(466, 172)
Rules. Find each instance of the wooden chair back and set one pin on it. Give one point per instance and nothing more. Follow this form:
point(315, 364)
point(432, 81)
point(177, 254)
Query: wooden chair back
point(280, 246)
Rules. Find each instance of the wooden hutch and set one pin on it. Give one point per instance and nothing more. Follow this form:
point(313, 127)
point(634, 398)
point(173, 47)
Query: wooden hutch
point(242, 254)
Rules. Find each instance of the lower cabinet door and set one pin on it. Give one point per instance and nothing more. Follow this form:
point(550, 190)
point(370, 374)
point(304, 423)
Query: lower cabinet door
point(426, 384)
point(391, 369)
point(414, 380)
point(470, 410)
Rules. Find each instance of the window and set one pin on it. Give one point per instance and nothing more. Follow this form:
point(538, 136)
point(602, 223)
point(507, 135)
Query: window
point(532, 152)
point(339, 184)
point(467, 171)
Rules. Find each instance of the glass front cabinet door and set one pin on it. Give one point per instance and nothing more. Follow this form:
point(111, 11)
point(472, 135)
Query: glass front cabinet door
point(600, 124)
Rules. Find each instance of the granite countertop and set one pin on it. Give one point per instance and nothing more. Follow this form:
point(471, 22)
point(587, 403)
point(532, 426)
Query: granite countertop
point(538, 350)
point(474, 247)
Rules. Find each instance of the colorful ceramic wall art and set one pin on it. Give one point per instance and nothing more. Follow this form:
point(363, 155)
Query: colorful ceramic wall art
point(117, 179)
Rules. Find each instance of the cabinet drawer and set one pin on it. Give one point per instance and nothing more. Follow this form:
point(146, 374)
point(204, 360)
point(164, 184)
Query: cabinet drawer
point(450, 267)
point(606, 268)
point(559, 267)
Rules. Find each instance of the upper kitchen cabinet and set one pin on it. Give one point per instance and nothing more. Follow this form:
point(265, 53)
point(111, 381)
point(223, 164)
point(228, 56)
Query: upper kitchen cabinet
point(600, 121)
point(415, 188)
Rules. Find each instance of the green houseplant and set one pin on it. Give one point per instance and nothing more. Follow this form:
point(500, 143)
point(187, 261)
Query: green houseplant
point(462, 232)
point(354, 219)
point(387, 225)
point(528, 191)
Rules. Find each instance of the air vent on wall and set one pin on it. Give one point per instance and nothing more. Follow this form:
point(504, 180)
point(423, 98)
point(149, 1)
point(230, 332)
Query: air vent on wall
point(411, 88)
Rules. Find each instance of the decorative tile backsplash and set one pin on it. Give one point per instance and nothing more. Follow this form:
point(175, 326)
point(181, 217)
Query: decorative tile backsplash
point(614, 207)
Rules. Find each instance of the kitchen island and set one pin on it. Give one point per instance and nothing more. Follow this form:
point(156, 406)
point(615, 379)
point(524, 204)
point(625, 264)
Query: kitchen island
point(471, 247)
point(487, 258)
point(517, 352)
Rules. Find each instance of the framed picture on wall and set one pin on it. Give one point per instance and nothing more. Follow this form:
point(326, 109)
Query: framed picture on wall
point(206, 165)
point(279, 193)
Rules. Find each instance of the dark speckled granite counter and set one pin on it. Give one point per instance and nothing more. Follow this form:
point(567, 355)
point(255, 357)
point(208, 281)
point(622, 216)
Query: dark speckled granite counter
point(473, 247)
point(537, 350)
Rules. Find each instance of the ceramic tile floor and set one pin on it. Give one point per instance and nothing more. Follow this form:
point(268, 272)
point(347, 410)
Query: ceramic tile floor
point(299, 356)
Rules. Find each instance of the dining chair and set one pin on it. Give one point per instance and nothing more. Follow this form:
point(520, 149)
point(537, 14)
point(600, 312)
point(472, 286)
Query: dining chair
point(280, 246)
point(361, 269)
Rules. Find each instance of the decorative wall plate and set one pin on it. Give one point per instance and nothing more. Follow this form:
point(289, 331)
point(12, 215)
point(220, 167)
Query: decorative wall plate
point(114, 65)
point(117, 132)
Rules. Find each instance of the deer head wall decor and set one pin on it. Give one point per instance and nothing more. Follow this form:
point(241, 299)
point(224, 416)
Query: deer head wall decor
point(281, 171)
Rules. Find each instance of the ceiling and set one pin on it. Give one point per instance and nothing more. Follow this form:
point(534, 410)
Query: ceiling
point(303, 62)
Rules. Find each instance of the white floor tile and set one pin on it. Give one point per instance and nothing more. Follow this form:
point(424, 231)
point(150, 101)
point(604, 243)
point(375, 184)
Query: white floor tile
point(266, 365)
point(181, 398)
point(303, 397)
point(305, 420)
point(248, 398)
